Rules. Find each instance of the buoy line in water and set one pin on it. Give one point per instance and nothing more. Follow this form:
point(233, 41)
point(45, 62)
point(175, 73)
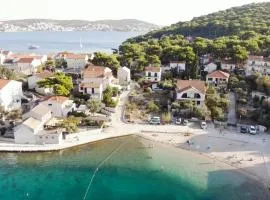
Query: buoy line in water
point(100, 165)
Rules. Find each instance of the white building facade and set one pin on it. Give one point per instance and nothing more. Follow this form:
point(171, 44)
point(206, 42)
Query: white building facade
point(10, 94)
point(60, 106)
point(95, 80)
point(153, 74)
point(123, 75)
point(193, 90)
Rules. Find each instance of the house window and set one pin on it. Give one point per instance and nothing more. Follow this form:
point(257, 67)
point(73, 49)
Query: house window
point(85, 90)
point(81, 88)
point(210, 79)
point(155, 79)
point(49, 104)
point(184, 95)
point(149, 73)
point(93, 90)
point(155, 74)
point(198, 102)
point(197, 96)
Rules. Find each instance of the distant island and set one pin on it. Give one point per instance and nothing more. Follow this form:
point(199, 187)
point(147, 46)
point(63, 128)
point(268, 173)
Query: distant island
point(28, 25)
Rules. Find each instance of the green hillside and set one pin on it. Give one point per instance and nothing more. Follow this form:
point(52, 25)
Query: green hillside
point(251, 17)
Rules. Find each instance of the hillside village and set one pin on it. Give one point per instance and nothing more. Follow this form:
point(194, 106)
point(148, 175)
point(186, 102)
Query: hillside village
point(51, 97)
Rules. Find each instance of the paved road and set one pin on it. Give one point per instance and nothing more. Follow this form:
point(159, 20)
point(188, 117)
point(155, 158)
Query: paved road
point(232, 111)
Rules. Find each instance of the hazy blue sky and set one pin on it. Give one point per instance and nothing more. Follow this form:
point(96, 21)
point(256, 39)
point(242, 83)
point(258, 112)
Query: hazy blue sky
point(156, 11)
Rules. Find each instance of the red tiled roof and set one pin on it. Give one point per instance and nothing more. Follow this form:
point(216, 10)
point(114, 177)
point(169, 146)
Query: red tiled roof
point(218, 74)
point(25, 60)
point(75, 56)
point(228, 62)
point(252, 57)
point(183, 85)
point(59, 99)
point(152, 69)
point(3, 83)
point(63, 54)
point(94, 72)
point(45, 74)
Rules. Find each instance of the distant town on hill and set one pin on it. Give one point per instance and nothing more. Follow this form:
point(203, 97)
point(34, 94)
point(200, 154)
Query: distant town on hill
point(27, 25)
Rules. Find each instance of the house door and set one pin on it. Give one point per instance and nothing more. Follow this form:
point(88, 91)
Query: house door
point(85, 90)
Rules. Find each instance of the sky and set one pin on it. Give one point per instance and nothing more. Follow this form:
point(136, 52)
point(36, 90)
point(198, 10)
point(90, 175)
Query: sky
point(163, 12)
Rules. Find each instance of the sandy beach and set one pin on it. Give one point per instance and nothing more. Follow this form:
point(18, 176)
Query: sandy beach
point(247, 153)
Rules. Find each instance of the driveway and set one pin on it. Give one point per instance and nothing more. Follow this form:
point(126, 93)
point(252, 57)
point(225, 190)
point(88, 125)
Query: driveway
point(232, 112)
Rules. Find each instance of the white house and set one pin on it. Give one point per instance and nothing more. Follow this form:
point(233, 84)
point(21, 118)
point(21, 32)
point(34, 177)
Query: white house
point(257, 64)
point(217, 78)
point(40, 112)
point(10, 94)
point(153, 74)
point(7, 53)
point(228, 65)
point(31, 131)
point(179, 65)
point(123, 75)
point(193, 90)
point(32, 80)
point(76, 60)
point(4, 55)
point(28, 65)
point(95, 80)
point(42, 58)
point(26, 133)
point(60, 106)
point(210, 67)
point(255, 60)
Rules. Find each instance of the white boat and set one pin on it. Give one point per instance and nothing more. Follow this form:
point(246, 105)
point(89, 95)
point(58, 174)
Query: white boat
point(32, 46)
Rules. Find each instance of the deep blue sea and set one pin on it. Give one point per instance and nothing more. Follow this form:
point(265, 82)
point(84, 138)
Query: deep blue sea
point(129, 168)
point(51, 42)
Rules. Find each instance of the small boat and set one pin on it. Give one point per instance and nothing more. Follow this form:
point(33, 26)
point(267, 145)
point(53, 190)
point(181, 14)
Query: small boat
point(32, 46)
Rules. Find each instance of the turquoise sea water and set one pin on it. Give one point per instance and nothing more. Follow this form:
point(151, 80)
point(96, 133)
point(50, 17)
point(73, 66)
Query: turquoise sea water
point(132, 169)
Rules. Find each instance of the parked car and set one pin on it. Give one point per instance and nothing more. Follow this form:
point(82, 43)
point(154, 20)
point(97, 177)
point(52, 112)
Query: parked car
point(185, 122)
point(155, 120)
point(203, 125)
point(178, 121)
point(243, 129)
point(252, 130)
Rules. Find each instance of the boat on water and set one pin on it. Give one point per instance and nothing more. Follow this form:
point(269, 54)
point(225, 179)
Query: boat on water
point(32, 46)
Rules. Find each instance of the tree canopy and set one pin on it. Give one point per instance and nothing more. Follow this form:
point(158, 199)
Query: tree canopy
point(61, 84)
point(251, 17)
point(106, 60)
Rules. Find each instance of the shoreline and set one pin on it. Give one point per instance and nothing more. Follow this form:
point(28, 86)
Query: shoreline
point(106, 136)
point(251, 175)
point(84, 138)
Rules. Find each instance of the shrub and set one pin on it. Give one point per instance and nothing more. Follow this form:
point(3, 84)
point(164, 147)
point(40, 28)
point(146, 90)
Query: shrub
point(76, 114)
point(148, 90)
point(166, 117)
point(242, 101)
point(152, 107)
